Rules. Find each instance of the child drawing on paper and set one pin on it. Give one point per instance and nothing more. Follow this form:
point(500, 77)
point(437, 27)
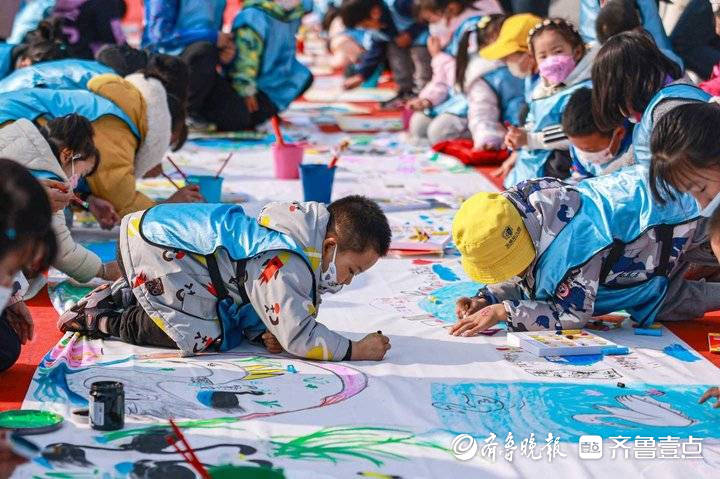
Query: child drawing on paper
point(199, 277)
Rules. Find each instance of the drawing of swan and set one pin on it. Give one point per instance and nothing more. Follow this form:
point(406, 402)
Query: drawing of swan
point(638, 409)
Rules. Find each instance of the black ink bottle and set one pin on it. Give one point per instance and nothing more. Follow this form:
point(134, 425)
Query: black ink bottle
point(107, 405)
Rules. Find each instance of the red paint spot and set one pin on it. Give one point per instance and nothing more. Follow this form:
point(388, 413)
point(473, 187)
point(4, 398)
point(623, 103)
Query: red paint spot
point(180, 255)
point(270, 271)
point(276, 308)
point(422, 261)
point(139, 279)
point(211, 289)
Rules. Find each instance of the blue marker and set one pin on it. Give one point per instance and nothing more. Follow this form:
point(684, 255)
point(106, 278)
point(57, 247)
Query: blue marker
point(648, 331)
point(616, 350)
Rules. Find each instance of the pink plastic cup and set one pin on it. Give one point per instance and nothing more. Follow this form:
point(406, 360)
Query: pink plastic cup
point(287, 159)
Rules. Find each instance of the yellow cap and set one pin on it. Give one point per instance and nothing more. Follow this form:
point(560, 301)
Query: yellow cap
point(492, 239)
point(512, 38)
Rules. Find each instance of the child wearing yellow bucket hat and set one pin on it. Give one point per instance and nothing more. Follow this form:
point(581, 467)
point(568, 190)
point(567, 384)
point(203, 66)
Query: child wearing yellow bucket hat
point(553, 255)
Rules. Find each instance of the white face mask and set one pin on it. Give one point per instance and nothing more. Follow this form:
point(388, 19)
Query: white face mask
point(595, 157)
point(711, 207)
point(5, 294)
point(328, 278)
point(74, 177)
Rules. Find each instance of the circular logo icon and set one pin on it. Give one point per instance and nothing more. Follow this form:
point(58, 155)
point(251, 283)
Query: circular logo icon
point(507, 233)
point(464, 447)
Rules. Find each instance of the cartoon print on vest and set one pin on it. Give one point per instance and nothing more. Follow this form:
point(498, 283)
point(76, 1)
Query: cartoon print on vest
point(270, 270)
point(139, 280)
point(563, 215)
point(570, 296)
point(187, 290)
point(270, 310)
point(155, 287)
point(202, 339)
point(169, 254)
point(297, 206)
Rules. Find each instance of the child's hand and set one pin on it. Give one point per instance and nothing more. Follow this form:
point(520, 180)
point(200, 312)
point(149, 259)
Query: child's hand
point(19, 318)
point(271, 343)
point(370, 348)
point(111, 271)
point(187, 194)
point(418, 104)
point(515, 138)
point(484, 319)
point(433, 45)
point(403, 40)
point(251, 103)
point(60, 194)
point(712, 393)
point(506, 166)
point(468, 306)
point(353, 82)
point(104, 212)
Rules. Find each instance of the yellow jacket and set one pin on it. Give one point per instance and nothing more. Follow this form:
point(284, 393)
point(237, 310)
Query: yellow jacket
point(114, 179)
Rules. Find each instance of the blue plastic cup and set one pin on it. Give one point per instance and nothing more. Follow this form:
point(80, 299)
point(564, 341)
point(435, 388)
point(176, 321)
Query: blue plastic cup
point(317, 182)
point(210, 186)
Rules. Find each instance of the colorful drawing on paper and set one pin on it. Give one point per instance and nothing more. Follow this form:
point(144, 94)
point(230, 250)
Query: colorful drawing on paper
point(66, 294)
point(570, 410)
point(680, 352)
point(561, 367)
point(245, 386)
point(441, 302)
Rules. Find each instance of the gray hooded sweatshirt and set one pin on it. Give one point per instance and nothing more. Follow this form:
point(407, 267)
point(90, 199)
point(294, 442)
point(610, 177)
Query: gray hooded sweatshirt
point(176, 291)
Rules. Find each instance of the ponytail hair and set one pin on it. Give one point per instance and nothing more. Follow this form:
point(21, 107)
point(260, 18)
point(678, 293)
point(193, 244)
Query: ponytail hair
point(485, 32)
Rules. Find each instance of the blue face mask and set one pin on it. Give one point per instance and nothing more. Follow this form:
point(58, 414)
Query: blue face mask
point(711, 207)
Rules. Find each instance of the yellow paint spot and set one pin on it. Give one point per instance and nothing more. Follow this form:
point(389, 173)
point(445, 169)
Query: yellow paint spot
point(319, 353)
point(376, 475)
point(314, 256)
point(264, 221)
point(200, 259)
point(311, 309)
point(133, 227)
point(158, 322)
point(259, 371)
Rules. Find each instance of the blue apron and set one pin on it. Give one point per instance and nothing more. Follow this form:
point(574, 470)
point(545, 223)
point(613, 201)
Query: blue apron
point(403, 22)
point(615, 210)
point(202, 229)
point(55, 75)
point(6, 63)
point(469, 24)
point(643, 130)
point(544, 112)
point(194, 15)
point(281, 77)
point(32, 103)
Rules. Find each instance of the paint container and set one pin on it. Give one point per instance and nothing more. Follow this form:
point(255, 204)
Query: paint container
point(317, 182)
point(107, 405)
point(210, 186)
point(287, 159)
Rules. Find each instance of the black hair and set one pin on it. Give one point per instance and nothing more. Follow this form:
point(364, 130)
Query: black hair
point(124, 59)
point(563, 27)
point(627, 72)
point(26, 216)
point(577, 119)
point(684, 139)
point(615, 17)
point(47, 42)
point(359, 224)
point(353, 12)
point(491, 25)
point(74, 132)
point(432, 5)
point(173, 73)
point(330, 15)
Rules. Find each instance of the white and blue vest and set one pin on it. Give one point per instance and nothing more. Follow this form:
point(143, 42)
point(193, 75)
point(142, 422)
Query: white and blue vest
point(203, 229)
point(55, 75)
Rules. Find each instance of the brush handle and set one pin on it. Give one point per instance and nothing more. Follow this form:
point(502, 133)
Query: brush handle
point(275, 121)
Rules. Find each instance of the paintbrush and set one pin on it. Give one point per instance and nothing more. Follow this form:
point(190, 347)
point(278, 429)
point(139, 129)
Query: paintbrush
point(188, 454)
point(275, 121)
point(182, 173)
point(82, 204)
point(342, 146)
point(217, 175)
point(170, 180)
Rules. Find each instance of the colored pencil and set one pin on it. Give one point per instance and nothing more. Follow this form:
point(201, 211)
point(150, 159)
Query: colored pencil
point(217, 175)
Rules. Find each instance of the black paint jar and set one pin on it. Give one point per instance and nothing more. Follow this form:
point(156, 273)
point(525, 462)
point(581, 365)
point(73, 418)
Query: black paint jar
point(107, 405)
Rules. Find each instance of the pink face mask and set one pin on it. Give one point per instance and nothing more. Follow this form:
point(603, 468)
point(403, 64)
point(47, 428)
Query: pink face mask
point(555, 69)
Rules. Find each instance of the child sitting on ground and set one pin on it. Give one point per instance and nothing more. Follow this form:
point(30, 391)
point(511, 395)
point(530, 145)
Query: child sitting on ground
point(554, 255)
point(207, 276)
point(594, 152)
point(564, 66)
point(393, 32)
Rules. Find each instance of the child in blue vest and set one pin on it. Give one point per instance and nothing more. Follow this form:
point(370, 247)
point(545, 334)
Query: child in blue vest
point(633, 80)
point(554, 255)
point(265, 71)
point(618, 16)
point(442, 106)
point(205, 277)
point(69, 74)
point(393, 37)
point(564, 66)
point(594, 152)
point(27, 242)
